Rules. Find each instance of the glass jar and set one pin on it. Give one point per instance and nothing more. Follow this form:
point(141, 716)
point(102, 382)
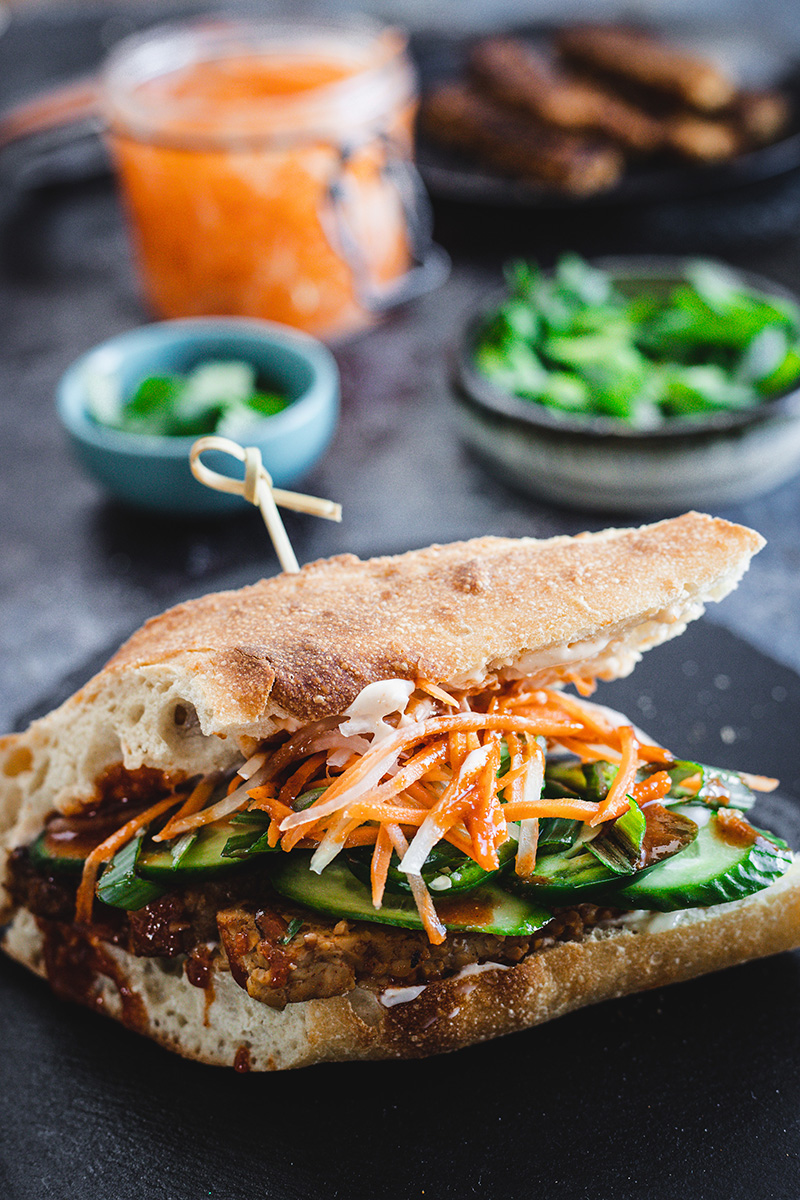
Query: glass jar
point(267, 170)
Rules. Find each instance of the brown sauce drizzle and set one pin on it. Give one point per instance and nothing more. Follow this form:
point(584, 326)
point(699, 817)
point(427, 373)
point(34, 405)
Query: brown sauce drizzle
point(73, 960)
point(734, 829)
point(666, 832)
point(200, 973)
point(474, 908)
point(241, 1061)
point(119, 794)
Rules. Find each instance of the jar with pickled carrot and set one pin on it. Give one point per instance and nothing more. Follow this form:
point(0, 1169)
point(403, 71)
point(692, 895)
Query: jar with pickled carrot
point(267, 170)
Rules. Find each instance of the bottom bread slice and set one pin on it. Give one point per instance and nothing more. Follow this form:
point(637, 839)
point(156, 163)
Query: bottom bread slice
point(220, 1024)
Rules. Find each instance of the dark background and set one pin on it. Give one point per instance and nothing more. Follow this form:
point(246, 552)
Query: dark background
point(690, 1092)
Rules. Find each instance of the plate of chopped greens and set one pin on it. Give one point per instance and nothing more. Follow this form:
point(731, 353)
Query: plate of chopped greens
point(133, 406)
point(635, 384)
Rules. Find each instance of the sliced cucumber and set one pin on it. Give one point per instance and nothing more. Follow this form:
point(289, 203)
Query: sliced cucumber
point(338, 893)
point(591, 868)
point(218, 848)
point(719, 788)
point(715, 868)
point(599, 778)
point(568, 774)
point(564, 879)
point(445, 870)
point(51, 855)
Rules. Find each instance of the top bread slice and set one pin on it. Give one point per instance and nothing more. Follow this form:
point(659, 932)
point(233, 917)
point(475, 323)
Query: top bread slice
point(195, 684)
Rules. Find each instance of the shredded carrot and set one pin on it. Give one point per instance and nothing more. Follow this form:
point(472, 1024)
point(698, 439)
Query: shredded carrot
point(654, 788)
point(404, 739)
point(593, 721)
point(480, 822)
point(387, 812)
point(580, 810)
point(455, 802)
point(584, 687)
point(655, 754)
point(379, 868)
point(616, 802)
point(295, 784)
point(433, 689)
point(365, 836)
point(456, 750)
point(107, 849)
point(192, 804)
point(759, 783)
point(273, 833)
point(587, 753)
point(422, 898)
point(262, 799)
point(297, 825)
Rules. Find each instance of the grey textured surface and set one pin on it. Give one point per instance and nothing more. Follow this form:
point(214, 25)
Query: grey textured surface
point(77, 573)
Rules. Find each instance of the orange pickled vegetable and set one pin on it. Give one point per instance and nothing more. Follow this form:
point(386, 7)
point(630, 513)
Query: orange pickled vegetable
point(231, 167)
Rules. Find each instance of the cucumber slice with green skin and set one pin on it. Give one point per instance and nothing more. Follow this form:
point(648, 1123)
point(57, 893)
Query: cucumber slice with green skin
point(715, 868)
point(599, 778)
point(205, 857)
point(58, 857)
point(337, 893)
point(719, 788)
point(445, 870)
point(121, 887)
point(569, 774)
point(591, 868)
point(564, 879)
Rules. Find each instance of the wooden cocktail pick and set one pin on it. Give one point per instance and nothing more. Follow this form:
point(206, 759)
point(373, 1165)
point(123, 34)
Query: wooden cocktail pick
point(257, 488)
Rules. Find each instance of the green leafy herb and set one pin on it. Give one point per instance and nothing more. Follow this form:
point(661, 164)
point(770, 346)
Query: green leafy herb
point(576, 343)
point(120, 886)
point(294, 926)
point(216, 397)
point(619, 844)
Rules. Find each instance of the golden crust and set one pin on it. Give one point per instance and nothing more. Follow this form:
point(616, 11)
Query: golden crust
point(306, 644)
point(448, 1015)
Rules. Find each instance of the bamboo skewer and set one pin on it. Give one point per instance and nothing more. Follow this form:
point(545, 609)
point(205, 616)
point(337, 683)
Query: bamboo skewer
point(257, 488)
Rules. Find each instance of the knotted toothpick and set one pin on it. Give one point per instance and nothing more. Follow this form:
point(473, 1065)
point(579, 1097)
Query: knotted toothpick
point(257, 488)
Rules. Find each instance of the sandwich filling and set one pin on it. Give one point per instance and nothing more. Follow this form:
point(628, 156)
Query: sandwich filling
point(419, 833)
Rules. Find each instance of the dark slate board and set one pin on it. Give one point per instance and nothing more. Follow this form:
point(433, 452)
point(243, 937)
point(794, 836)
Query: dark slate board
point(692, 1091)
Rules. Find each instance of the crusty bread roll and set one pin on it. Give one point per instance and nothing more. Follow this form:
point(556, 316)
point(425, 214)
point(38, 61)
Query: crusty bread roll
point(205, 681)
point(223, 1026)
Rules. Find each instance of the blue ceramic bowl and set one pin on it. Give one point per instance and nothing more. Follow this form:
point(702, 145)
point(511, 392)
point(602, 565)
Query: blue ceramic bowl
point(153, 472)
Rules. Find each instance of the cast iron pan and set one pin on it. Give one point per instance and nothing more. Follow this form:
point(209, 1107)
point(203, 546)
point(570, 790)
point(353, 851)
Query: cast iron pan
point(692, 1091)
point(754, 59)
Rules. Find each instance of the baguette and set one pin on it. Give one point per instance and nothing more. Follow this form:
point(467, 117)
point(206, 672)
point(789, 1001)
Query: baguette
point(233, 676)
point(222, 1026)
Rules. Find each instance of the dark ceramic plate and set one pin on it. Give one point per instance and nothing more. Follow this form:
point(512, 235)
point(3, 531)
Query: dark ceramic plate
point(692, 1091)
point(595, 462)
point(755, 60)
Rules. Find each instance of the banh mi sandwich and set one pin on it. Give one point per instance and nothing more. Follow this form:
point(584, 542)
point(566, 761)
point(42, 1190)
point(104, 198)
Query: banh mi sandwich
point(356, 812)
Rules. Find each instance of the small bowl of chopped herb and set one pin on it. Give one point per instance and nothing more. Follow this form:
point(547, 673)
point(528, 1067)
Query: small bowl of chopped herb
point(634, 385)
point(134, 405)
